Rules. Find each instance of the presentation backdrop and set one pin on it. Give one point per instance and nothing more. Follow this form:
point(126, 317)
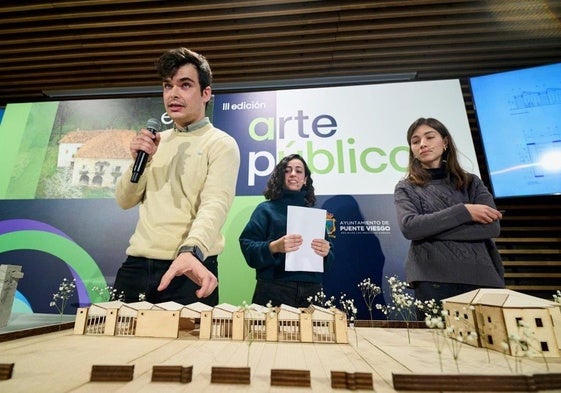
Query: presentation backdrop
point(58, 217)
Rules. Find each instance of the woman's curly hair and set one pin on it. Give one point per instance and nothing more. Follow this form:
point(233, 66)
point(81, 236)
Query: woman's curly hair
point(275, 185)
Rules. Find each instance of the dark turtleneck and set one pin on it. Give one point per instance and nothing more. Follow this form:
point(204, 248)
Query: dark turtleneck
point(294, 198)
point(268, 223)
point(437, 173)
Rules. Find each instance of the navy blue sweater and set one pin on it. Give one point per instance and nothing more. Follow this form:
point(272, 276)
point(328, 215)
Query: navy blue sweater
point(268, 223)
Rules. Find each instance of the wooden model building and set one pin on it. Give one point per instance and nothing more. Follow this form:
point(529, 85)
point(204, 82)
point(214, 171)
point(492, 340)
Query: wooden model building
point(259, 323)
point(289, 323)
point(222, 322)
point(131, 315)
point(102, 318)
point(506, 321)
point(324, 322)
point(190, 317)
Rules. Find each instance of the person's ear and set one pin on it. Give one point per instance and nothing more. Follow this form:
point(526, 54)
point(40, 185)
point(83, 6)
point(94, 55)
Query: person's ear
point(207, 94)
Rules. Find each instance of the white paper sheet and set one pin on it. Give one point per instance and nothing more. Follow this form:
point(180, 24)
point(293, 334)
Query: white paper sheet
point(310, 224)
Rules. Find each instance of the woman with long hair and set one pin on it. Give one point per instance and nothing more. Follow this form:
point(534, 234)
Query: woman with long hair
point(450, 217)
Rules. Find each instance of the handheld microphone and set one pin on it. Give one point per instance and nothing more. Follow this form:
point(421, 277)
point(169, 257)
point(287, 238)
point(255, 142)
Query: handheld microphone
point(154, 126)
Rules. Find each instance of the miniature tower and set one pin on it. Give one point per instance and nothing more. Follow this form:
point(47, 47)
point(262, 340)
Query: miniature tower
point(9, 277)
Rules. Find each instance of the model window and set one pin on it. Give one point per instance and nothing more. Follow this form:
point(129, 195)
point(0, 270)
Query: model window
point(539, 322)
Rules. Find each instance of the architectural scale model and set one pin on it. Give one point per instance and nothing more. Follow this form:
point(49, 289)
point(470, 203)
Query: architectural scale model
point(224, 321)
point(9, 277)
point(506, 321)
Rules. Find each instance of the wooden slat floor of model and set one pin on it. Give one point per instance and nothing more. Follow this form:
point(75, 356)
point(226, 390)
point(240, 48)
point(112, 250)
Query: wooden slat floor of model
point(62, 361)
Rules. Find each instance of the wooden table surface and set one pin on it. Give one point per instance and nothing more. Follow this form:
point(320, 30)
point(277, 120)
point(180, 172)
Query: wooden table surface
point(62, 361)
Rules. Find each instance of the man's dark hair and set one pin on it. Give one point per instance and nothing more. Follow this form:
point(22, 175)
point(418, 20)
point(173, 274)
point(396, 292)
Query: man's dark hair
point(168, 64)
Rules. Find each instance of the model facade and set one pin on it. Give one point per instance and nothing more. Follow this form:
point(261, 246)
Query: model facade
point(506, 321)
point(224, 321)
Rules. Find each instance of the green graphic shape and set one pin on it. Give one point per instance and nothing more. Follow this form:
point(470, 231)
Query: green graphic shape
point(32, 152)
point(11, 129)
point(237, 279)
point(65, 249)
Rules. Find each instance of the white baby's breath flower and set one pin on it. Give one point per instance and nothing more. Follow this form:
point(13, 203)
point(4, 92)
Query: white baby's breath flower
point(369, 292)
point(109, 293)
point(557, 296)
point(65, 292)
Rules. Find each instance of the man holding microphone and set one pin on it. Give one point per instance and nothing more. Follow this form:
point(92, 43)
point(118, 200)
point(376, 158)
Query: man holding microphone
point(184, 192)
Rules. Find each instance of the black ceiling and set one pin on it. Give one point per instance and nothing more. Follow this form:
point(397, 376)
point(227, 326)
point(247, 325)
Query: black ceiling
point(80, 45)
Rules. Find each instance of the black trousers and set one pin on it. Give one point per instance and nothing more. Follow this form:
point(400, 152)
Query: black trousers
point(291, 293)
point(138, 275)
